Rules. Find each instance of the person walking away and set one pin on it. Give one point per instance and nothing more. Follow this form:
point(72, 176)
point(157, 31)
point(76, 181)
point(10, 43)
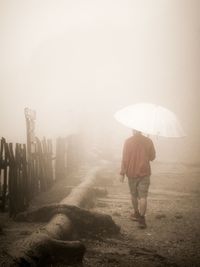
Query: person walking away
point(138, 151)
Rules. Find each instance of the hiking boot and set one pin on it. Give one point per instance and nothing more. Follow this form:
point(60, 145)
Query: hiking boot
point(142, 222)
point(135, 216)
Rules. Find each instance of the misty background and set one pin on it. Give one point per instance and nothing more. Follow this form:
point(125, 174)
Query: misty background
point(77, 62)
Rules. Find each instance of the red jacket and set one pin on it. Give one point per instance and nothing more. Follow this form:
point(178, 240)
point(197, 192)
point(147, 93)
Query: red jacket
point(137, 152)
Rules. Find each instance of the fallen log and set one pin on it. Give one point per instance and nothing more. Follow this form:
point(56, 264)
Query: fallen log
point(41, 250)
point(67, 221)
point(84, 221)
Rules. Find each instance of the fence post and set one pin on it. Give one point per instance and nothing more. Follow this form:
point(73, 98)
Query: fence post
point(4, 167)
point(30, 116)
point(61, 158)
point(12, 181)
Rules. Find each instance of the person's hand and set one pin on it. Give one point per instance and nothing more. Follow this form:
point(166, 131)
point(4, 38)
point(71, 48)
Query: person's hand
point(121, 178)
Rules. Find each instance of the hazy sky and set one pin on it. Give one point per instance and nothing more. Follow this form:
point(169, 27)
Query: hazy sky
point(77, 62)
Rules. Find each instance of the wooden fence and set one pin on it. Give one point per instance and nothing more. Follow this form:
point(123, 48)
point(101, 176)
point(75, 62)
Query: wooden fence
point(69, 156)
point(22, 179)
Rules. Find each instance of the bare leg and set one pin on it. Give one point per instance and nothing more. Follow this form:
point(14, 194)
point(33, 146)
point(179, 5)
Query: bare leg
point(143, 206)
point(135, 204)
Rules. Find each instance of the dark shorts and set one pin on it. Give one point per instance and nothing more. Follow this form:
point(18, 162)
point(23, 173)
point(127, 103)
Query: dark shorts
point(139, 186)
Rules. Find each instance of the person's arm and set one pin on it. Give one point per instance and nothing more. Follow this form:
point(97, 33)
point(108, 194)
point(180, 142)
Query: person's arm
point(124, 160)
point(152, 152)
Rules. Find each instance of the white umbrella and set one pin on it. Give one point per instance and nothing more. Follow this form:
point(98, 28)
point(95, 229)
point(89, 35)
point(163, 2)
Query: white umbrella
point(150, 119)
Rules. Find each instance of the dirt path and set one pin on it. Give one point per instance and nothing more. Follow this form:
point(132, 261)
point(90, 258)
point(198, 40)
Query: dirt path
point(171, 239)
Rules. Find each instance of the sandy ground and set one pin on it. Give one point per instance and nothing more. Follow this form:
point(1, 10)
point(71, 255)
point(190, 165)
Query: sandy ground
point(173, 217)
point(172, 237)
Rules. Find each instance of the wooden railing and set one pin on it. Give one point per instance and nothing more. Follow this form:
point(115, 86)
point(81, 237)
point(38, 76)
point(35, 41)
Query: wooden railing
point(22, 179)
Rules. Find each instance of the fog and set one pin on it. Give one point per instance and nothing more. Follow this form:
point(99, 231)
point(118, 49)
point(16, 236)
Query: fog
point(77, 62)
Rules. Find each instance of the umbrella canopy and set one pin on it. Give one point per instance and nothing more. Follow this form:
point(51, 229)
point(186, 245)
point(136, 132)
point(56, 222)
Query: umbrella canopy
point(150, 119)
